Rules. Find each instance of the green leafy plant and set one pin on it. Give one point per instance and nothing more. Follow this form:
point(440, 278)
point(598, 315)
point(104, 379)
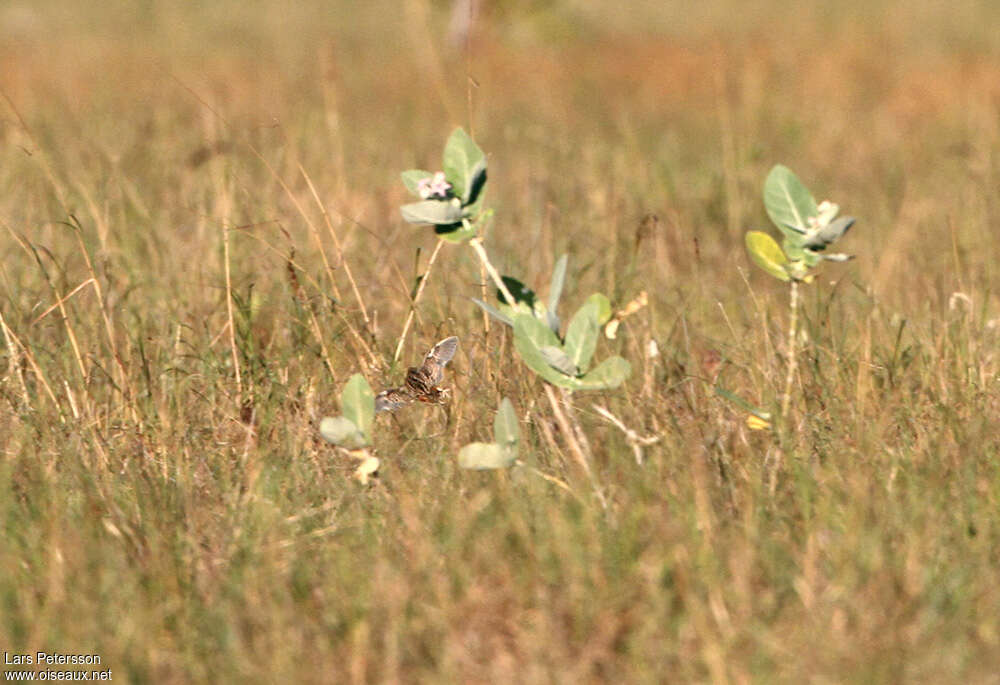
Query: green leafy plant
point(566, 363)
point(451, 199)
point(808, 229)
point(502, 452)
point(353, 430)
point(525, 301)
point(562, 360)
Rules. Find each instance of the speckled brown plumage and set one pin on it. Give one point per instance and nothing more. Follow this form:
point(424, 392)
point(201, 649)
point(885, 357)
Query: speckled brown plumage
point(421, 384)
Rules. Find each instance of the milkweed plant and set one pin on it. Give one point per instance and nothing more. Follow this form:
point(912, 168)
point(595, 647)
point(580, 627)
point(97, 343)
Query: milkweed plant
point(451, 200)
point(807, 229)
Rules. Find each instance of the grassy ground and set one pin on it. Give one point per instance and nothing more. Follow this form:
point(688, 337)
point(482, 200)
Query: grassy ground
point(165, 500)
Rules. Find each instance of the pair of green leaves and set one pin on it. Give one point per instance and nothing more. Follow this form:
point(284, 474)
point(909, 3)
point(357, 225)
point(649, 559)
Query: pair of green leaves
point(500, 453)
point(566, 363)
point(464, 166)
point(526, 302)
point(353, 430)
point(808, 228)
point(562, 361)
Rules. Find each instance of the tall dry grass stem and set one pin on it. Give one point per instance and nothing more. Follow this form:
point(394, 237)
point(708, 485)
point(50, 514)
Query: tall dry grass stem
point(635, 441)
point(340, 250)
point(15, 362)
point(108, 327)
point(229, 317)
point(578, 445)
point(416, 299)
point(313, 230)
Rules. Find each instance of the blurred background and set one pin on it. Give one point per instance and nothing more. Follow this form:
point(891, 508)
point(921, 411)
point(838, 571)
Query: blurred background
point(690, 104)
point(191, 527)
point(602, 113)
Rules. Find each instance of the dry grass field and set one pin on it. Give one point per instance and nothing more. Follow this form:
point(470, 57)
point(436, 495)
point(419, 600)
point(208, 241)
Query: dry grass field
point(201, 242)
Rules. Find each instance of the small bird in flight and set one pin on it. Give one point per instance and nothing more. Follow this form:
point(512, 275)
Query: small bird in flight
point(421, 384)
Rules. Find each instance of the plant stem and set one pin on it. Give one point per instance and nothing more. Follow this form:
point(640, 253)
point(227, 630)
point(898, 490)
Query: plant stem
point(477, 245)
point(416, 298)
point(793, 305)
point(634, 440)
point(229, 316)
point(573, 433)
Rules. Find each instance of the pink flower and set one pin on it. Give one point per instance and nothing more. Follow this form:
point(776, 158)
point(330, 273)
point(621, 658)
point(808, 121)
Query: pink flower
point(434, 187)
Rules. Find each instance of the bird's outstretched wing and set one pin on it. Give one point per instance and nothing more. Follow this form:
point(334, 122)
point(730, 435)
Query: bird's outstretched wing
point(438, 358)
point(392, 399)
point(421, 383)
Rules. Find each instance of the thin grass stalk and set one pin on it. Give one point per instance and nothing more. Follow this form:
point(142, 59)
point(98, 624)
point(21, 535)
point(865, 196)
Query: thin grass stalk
point(580, 450)
point(229, 315)
point(305, 217)
point(340, 250)
point(416, 299)
point(108, 328)
point(61, 306)
point(15, 363)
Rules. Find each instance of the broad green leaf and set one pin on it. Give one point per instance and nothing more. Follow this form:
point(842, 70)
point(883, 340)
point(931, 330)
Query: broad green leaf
point(810, 259)
point(555, 291)
point(538, 311)
point(788, 202)
point(541, 313)
point(343, 432)
point(581, 336)
point(461, 157)
point(477, 182)
point(505, 428)
point(438, 212)
point(793, 249)
point(494, 312)
point(767, 254)
point(530, 335)
point(511, 312)
point(358, 404)
point(482, 456)
point(413, 177)
point(559, 360)
point(539, 334)
point(603, 307)
point(610, 373)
